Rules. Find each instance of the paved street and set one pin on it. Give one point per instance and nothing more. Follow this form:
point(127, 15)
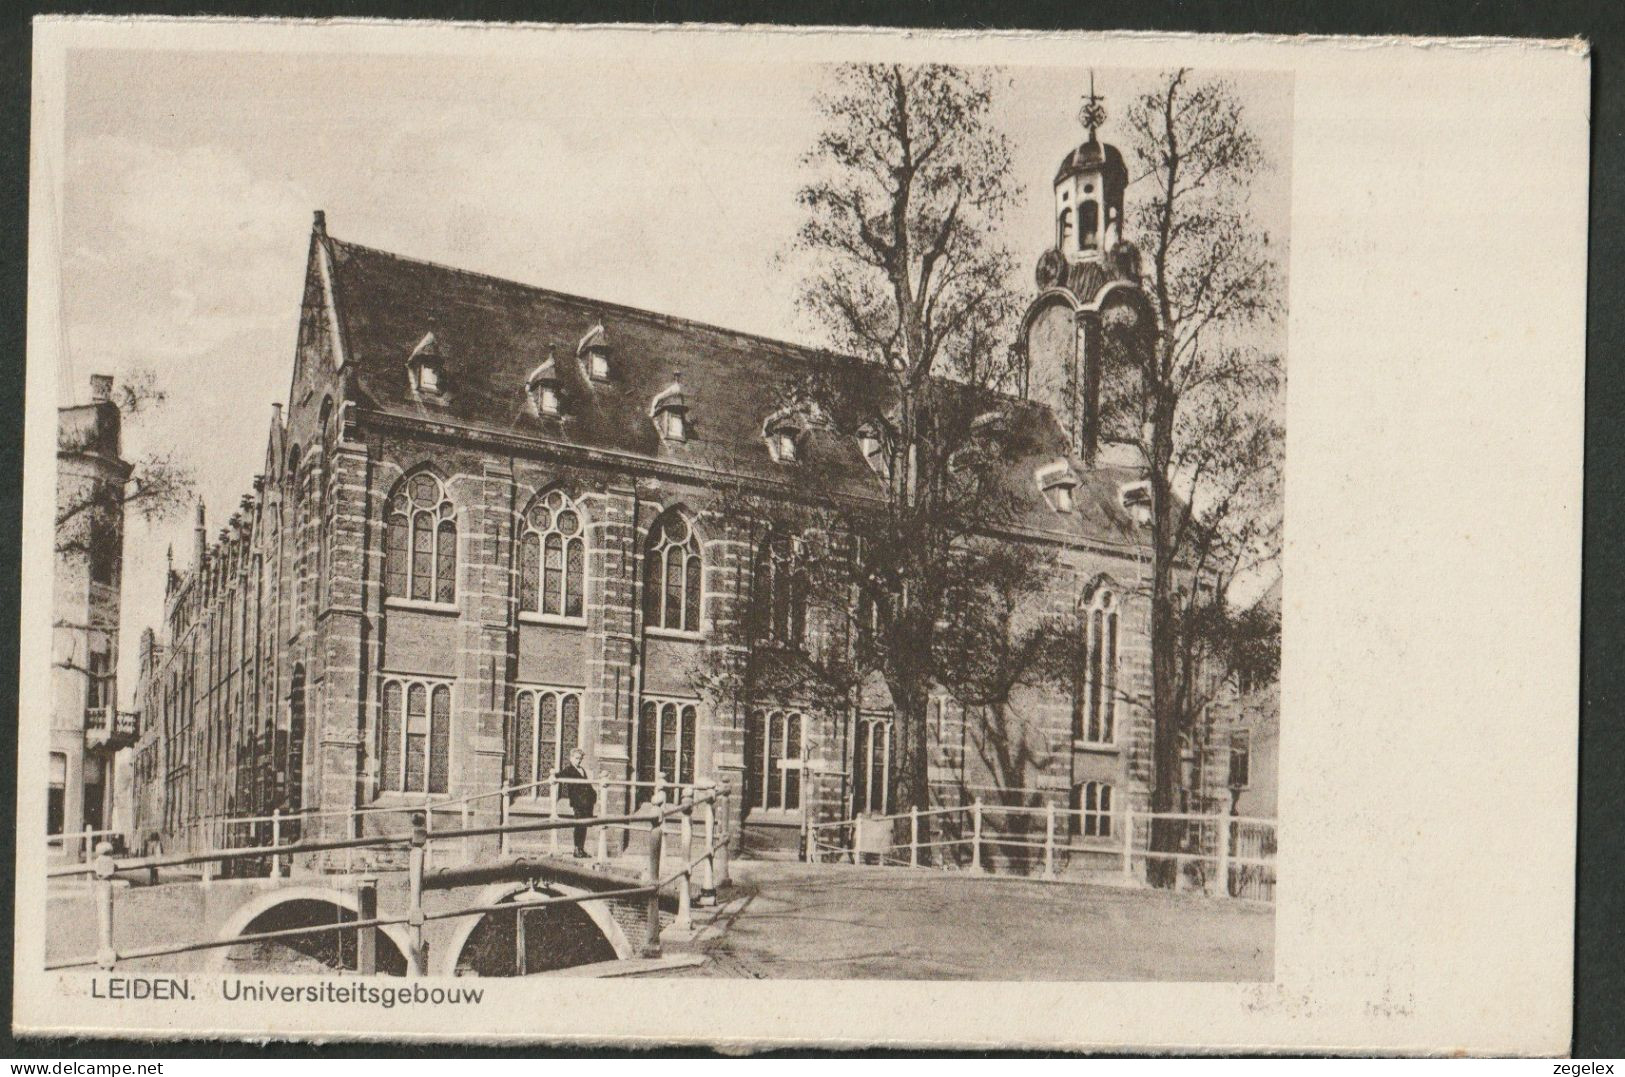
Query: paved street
point(797, 921)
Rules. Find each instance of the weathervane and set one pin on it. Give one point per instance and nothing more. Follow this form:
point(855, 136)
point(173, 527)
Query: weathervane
point(1093, 113)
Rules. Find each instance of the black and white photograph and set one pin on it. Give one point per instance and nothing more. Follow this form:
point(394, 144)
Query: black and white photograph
point(601, 513)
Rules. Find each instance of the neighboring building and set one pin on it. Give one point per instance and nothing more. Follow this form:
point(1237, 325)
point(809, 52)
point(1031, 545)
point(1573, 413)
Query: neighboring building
point(87, 728)
point(490, 527)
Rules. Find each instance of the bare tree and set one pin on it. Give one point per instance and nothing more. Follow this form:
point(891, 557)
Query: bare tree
point(911, 184)
point(1197, 391)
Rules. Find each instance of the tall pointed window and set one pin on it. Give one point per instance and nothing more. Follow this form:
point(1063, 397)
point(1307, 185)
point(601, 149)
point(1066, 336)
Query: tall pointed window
point(546, 728)
point(871, 765)
point(673, 574)
point(414, 736)
point(773, 760)
point(420, 544)
point(779, 600)
point(553, 558)
point(1096, 719)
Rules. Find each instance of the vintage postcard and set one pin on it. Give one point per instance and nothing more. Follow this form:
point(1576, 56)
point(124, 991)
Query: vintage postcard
point(755, 537)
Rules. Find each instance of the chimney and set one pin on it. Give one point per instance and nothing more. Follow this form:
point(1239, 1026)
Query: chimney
point(101, 388)
point(319, 225)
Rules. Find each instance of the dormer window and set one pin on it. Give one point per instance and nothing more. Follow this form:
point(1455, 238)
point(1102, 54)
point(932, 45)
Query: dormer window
point(427, 366)
point(1059, 484)
point(872, 443)
point(989, 424)
point(543, 387)
point(1136, 498)
point(783, 435)
point(594, 353)
point(669, 410)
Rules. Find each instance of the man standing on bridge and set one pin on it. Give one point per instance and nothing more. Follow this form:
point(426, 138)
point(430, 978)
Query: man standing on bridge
point(579, 792)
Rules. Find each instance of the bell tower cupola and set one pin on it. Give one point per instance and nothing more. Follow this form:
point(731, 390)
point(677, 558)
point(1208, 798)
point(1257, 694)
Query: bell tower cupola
point(1088, 279)
point(1089, 191)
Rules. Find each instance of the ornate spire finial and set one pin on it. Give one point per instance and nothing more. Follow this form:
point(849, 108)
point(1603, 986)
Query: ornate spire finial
point(1093, 113)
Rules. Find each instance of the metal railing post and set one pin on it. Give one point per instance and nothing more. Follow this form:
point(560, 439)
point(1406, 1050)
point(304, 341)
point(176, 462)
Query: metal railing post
point(366, 939)
point(976, 834)
point(724, 850)
point(685, 897)
point(914, 837)
point(1128, 843)
point(468, 846)
point(857, 840)
point(207, 866)
point(88, 841)
point(657, 823)
point(414, 879)
point(521, 946)
point(276, 842)
point(1049, 839)
point(1224, 856)
point(553, 814)
point(603, 809)
point(106, 956)
point(708, 880)
point(502, 816)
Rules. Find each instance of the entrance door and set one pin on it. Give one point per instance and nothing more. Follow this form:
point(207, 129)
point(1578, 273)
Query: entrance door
point(95, 791)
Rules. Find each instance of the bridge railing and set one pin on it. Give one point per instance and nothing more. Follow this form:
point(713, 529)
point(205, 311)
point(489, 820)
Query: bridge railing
point(522, 799)
point(1225, 854)
point(710, 862)
point(226, 831)
point(78, 843)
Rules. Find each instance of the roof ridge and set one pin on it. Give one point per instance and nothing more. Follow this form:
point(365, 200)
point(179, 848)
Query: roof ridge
point(801, 353)
point(803, 350)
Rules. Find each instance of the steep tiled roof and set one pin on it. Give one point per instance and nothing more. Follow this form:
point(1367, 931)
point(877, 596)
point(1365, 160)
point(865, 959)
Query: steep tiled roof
point(494, 333)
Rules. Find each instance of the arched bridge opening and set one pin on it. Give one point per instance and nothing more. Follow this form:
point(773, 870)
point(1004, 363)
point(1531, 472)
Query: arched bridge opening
point(312, 953)
point(535, 938)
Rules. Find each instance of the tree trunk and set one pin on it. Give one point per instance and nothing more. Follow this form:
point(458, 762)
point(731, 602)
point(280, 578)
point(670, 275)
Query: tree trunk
point(911, 755)
point(1165, 780)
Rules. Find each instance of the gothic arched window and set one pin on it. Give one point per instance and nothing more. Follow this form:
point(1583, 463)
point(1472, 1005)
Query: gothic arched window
point(420, 547)
point(546, 729)
point(553, 558)
point(414, 736)
point(672, 578)
point(773, 760)
point(1097, 714)
point(872, 765)
point(779, 598)
point(666, 730)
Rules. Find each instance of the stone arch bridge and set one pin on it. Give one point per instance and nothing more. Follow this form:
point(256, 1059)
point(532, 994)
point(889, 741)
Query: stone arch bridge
point(596, 916)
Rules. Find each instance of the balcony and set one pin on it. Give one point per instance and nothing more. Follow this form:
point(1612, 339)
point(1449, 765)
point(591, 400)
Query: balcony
point(110, 728)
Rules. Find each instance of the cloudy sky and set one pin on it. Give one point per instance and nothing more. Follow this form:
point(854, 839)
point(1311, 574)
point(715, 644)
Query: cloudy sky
point(190, 178)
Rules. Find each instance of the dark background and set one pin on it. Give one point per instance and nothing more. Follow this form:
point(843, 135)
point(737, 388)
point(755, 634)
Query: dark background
point(1599, 1011)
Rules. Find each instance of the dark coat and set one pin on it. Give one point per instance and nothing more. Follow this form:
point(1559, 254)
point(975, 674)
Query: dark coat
point(582, 798)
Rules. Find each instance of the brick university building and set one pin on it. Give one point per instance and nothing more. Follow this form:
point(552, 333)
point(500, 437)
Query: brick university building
point(488, 530)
